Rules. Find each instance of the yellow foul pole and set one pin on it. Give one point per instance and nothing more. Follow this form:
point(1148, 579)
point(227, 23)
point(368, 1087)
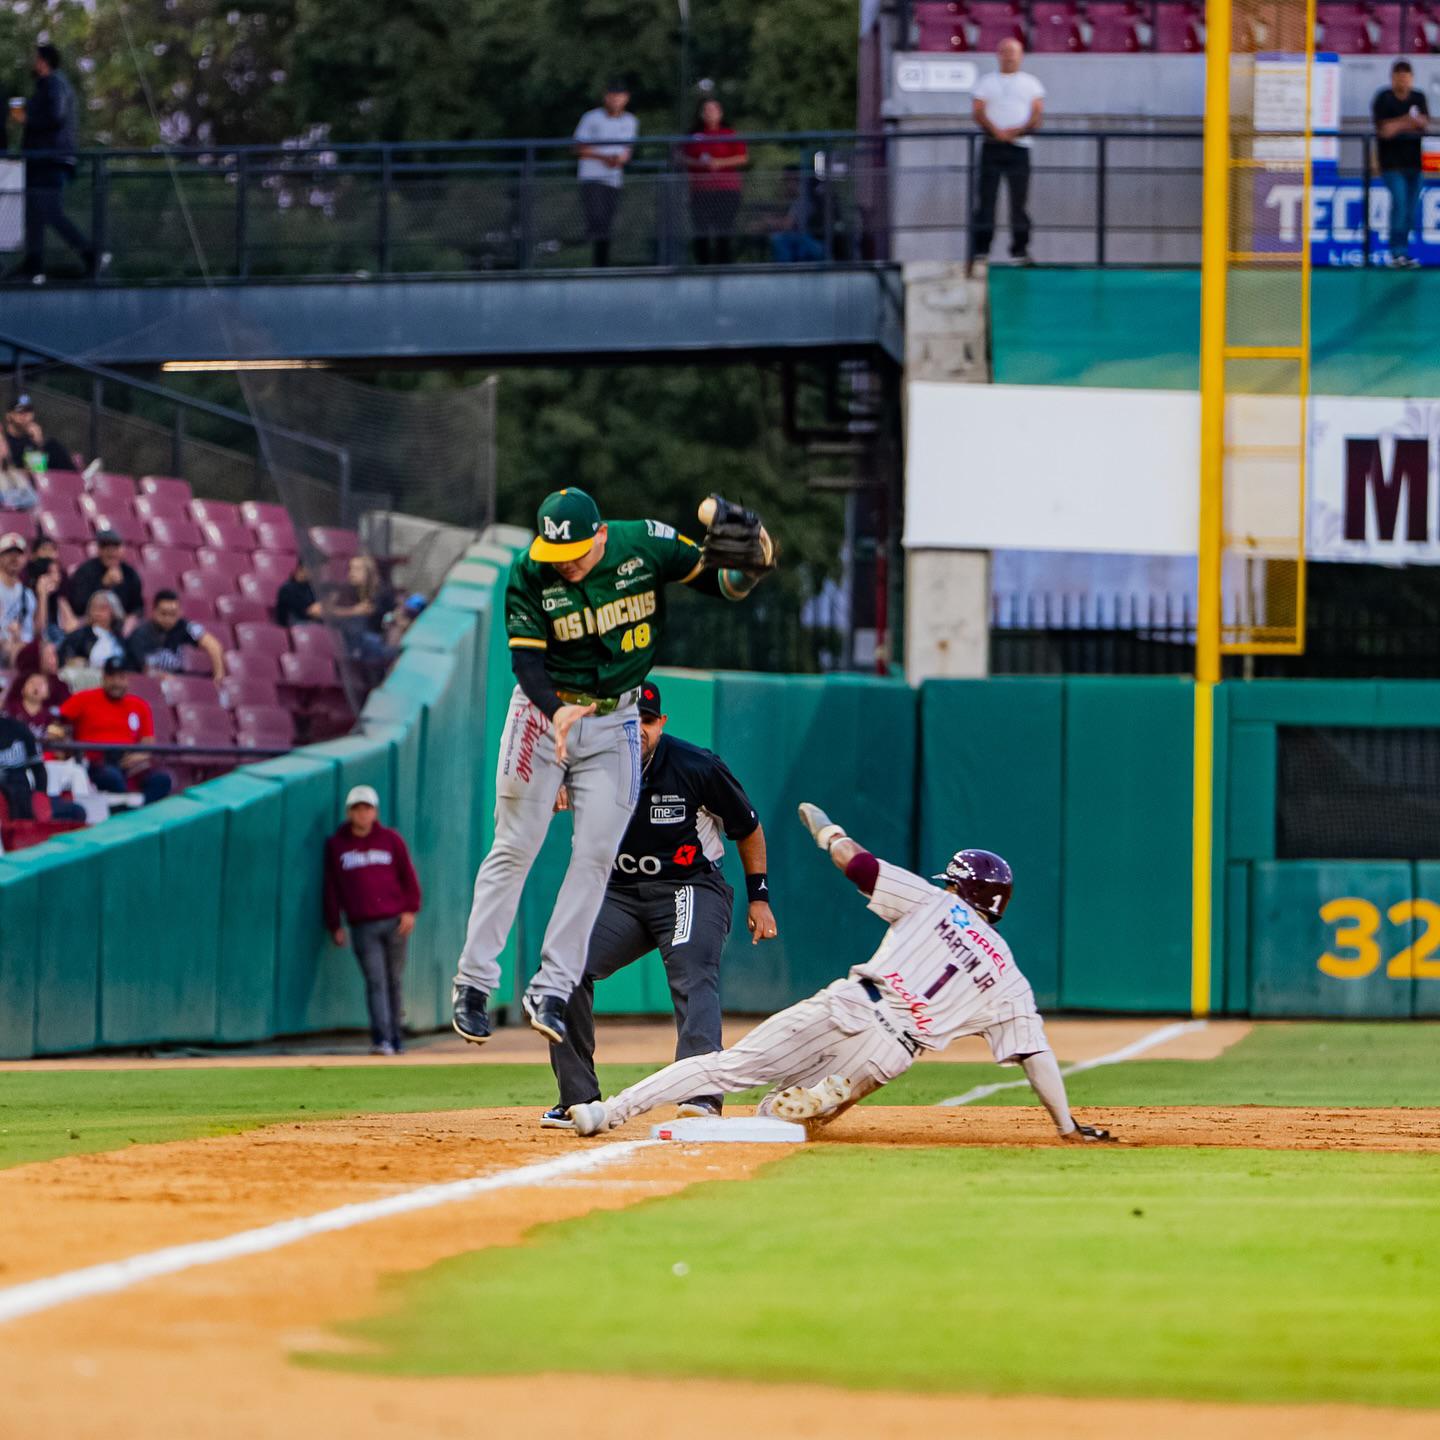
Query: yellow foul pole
point(1214, 247)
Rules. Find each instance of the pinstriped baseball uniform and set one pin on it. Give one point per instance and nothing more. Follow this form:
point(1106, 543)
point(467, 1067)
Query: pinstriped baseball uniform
point(941, 972)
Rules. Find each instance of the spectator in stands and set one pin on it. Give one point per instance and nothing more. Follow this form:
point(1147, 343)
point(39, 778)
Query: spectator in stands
point(52, 133)
point(100, 638)
point(403, 617)
point(23, 771)
point(360, 605)
point(603, 139)
point(112, 716)
point(800, 241)
point(1402, 115)
point(17, 490)
point(296, 604)
point(17, 602)
point(107, 570)
point(714, 159)
point(54, 618)
point(28, 701)
point(26, 443)
point(369, 879)
point(156, 645)
point(38, 658)
point(1008, 105)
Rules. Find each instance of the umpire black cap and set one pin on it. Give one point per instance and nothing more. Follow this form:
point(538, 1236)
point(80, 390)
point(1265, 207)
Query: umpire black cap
point(650, 699)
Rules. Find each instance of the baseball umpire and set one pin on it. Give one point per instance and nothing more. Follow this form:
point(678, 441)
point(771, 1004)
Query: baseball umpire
point(584, 611)
point(667, 891)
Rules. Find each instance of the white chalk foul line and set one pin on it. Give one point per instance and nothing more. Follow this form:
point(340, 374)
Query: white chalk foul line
point(1126, 1052)
point(37, 1295)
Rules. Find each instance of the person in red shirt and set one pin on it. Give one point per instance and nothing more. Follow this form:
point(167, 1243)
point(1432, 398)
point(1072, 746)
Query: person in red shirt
point(369, 877)
point(113, 716)
point(714, 159)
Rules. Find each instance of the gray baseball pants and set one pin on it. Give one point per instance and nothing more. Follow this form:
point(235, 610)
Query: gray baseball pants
point(381, 953)
point(603, 772)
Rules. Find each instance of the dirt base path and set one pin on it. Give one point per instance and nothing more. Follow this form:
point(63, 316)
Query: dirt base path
point(206, 1353)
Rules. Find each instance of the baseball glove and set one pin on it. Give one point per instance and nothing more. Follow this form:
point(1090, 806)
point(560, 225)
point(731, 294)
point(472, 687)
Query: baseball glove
point(736, 540)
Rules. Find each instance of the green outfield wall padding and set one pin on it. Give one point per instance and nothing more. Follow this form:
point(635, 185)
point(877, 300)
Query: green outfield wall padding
point(1250, 829)
point(990, 776)
point(1126, 885)
point(248, 895)
point(1140, 329)
point(67, 962)
point(848, 744)
point(1426, 958)
point(1232, 982)
point(19, 951)
point(1305, 702)
point(1289, 936)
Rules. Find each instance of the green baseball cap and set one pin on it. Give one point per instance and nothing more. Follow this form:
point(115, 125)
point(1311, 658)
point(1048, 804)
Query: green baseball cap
point(566, 522)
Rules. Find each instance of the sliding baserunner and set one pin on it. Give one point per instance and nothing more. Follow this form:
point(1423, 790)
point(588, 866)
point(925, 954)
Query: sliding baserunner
point(941, 972)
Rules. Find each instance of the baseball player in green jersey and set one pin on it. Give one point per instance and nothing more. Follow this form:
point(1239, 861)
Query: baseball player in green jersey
point(584, 611)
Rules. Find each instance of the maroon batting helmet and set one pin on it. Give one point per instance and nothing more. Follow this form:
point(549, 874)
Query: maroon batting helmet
point(982, 878)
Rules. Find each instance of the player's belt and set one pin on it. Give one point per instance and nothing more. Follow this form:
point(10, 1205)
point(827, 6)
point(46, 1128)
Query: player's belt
point(877, 996)
point(604, 704)
point(872, 990)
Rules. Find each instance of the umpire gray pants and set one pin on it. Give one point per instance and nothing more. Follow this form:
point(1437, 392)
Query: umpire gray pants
point(688, 924)
point(603, 773)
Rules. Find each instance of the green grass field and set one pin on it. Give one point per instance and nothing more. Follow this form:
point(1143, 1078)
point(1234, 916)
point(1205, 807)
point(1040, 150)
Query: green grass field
point(48, 1113)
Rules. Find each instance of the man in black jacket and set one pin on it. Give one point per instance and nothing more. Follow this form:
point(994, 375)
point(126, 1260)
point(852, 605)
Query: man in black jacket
point(667, 892)
point(51, 132)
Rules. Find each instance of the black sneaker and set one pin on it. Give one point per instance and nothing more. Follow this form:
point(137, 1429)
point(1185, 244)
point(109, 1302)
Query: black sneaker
point(557, 1117)
point(471, 1020)
point(702, 1107)
point(547, 1015)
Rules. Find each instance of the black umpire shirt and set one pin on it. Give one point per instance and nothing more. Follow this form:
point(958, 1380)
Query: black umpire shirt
point(687, 797)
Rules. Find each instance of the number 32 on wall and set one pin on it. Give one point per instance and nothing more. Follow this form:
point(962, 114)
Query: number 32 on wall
point(1356, 924)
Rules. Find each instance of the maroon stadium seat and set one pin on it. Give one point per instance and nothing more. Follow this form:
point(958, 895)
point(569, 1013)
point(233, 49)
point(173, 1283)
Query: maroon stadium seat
point(236, 691)
point(222, 630)
point(309, 672)
point(1117, 27)
point(176, 530)
point(334, 543)
point(221, 511)
point(1179, 28)
point(112, 487)
point(262, 637)
point(210, 717)
point(60, 485)
point(160, 712)
point(166, 485)
point(148, 688)
point(269, 720)
point(260, 512)
point(64, 521)
point(228, 535)
point(129, 527)
point(19, 522)
point(1055, 27)
point(273, 570)
point(252, 665)
point(162, 507)
point(70, 555)
point(274, 536)
point(208, 583)
point(262, 592)
point(201, 609)
point(235, 608)
point(155, 577)
point(189, 690)
point(314, 640)
point(222, 562)
point(171, 558)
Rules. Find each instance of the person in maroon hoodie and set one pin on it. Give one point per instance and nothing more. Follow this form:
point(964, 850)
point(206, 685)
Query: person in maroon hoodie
point(369, 877)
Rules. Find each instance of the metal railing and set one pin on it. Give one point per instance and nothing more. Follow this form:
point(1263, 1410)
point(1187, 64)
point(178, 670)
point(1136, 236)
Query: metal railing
point(1097, 197)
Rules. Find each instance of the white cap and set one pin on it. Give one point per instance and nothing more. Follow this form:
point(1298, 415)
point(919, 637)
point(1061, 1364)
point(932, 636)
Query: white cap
point(362, 795)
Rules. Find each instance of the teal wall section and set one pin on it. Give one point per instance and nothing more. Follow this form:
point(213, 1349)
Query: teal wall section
point(1140, 329)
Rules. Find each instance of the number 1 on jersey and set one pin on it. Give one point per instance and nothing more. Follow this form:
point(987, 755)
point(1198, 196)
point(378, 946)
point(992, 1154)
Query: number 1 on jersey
point(946, 976)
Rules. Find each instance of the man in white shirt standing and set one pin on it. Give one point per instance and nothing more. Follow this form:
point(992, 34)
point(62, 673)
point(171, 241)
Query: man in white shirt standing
point(1007, 105)
point(603, 143)
point(17, 602)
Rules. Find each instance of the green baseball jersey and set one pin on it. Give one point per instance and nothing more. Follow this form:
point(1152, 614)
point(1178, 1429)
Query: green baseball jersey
point(599, 636)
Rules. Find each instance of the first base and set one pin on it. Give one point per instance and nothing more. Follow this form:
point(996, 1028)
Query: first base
point(743, 1130)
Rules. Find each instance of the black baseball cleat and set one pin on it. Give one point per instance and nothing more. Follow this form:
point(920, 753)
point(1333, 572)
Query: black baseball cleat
point(701, 1107)
point(547, 1015)
point(557, 1117)
point(471, 1020)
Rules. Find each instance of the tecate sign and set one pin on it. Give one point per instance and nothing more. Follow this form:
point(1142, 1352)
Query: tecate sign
point(1337, 220)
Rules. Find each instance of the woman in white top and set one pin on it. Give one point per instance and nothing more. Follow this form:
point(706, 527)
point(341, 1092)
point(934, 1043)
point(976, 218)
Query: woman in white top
point(99, 638)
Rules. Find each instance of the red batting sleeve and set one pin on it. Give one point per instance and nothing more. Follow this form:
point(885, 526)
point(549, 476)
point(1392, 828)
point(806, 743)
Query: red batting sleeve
point(863, 871)
point(409, 880)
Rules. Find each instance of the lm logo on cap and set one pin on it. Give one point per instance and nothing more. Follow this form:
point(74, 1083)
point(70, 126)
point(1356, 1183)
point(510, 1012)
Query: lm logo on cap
point(556, 532)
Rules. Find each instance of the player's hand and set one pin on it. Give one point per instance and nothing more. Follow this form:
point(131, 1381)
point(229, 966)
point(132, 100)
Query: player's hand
point(562, 720)
point(819, 824)
point(761, 921)
point(562, 799)
point(1088, 1135)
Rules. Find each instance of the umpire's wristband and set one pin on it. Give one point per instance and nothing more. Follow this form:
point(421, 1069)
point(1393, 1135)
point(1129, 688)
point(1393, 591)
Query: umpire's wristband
point(757, 888)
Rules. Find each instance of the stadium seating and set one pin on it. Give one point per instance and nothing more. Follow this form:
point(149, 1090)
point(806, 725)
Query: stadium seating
point(164, 506)
point(231, 535)
point(64, 521)
point(334, 544)
point(222, 562)
point(124, 522)
point(59, 485)
point(261, 637)
point(166, 485)
point(1350, 27)
point(273, 569)
point(235, 608)
point(221, 511)
point(112, 487)
point(175, 530)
